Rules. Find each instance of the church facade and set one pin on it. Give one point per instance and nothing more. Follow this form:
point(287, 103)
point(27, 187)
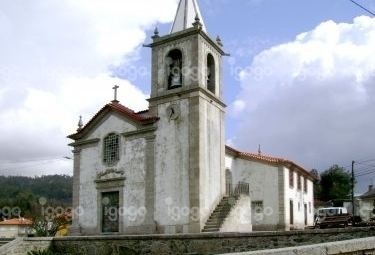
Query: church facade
point(165, 170)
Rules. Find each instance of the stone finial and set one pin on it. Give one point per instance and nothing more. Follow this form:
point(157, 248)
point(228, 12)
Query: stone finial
point(156, 33)
point(219, 42)
point(197, 24)
point(197, 19)
point(259, 150)
point(80, 124)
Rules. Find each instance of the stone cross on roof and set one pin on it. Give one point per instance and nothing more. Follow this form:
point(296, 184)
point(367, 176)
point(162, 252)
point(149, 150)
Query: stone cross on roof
point(115, 88)
point(187, 12)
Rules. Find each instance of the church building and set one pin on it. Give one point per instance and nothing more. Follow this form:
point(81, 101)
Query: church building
point(167, 169)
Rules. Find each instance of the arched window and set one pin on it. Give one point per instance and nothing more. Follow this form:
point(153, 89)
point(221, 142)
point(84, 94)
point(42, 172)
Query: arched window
point(174, 69)
point(111, 149)
point(211, 75)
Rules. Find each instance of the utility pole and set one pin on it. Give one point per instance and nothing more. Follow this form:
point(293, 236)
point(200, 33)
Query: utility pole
point(353, 207)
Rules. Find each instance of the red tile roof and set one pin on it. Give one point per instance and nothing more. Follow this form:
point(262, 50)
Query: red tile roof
point(267, 159)
point(142, 117)
point(17, 221)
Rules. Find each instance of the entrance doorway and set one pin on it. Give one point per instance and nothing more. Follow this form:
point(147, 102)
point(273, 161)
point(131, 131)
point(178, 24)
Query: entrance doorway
point(291, 212)
point(110, 212)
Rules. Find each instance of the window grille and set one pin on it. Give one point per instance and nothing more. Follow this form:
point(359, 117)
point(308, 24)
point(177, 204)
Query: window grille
point(257, 206)
point(111, 149)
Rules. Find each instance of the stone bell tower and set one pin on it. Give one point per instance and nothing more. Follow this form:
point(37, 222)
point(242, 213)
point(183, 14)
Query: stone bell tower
point(186, 96)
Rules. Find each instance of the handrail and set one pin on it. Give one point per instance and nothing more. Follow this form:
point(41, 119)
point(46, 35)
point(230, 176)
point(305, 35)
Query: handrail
point(242, 188)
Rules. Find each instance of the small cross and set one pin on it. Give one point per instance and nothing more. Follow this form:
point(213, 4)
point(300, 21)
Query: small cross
point(115, 96)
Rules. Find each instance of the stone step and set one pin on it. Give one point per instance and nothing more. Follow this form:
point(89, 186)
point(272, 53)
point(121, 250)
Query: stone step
point(216, 219)
point(219, 220)
point(211, 230)
point(221, 211)
point(213, 222)
point(219, 215)
point(212, 226)
point(222, 207)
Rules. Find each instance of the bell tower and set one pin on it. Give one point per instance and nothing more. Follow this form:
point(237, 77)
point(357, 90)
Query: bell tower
point(186, 95)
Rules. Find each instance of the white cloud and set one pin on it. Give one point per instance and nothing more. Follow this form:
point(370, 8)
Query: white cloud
point(54, 66)
point(314, 100)
point(237, 107)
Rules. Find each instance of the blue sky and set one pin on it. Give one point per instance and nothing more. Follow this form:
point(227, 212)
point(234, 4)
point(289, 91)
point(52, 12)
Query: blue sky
point(249, 27)
point(312, 101)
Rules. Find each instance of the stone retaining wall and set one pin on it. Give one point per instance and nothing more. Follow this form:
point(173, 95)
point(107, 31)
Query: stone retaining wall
point(363, 246)
point(21, 246)
point(211, 243)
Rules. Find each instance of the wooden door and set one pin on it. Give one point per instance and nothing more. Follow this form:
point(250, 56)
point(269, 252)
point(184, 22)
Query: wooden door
point(110, 212)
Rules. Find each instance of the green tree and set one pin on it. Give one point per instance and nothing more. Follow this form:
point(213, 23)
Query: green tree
point(317, 187)
point(19, 196)
point(335, 184)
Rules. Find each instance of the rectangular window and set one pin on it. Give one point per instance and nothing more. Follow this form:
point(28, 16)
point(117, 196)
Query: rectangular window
point(305, 184)
point(257, 215)
point(111, 151)
point(291, 178)
point(257, 206)
point(299, 182)
point(309, 207)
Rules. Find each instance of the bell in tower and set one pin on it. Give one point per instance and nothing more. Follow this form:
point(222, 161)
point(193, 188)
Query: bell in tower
point(187, 58)
point(174, 63)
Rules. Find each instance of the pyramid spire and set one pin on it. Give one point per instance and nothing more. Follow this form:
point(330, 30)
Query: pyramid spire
point(187, 13)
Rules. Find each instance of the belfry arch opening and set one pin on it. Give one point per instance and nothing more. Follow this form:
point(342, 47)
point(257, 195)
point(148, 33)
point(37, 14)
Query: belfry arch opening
point(211, 75)
point(174, 69)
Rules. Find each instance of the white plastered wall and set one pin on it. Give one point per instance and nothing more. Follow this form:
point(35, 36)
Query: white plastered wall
point(171, 168)
point(263, 181)
point(132, 162)
point(299, 198)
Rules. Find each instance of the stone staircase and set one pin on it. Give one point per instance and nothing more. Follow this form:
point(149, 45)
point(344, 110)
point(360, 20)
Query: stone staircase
point(218, 216)
point(222, 210)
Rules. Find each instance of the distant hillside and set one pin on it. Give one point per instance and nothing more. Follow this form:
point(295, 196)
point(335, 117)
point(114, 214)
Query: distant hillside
point(25, 193)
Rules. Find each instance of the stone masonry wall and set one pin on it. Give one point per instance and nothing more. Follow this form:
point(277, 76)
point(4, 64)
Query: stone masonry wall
point(363, 246)
point(21, 246)
point(324, 242)
point(211, 243)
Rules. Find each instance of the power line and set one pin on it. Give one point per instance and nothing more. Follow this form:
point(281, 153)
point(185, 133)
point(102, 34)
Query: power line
point(364, 161)
point(364, 8)
point(365, 170)
point(366, 164)
point(366, 173)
